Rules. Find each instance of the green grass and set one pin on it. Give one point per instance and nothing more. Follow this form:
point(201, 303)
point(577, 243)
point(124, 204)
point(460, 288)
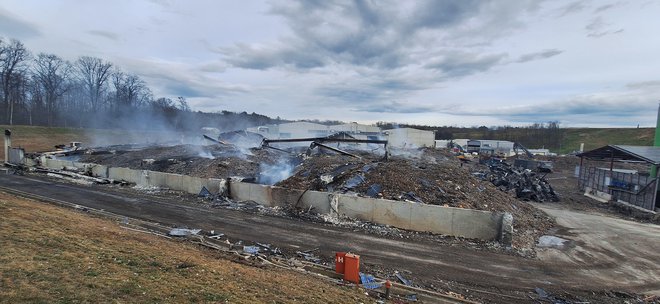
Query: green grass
point(597, 137)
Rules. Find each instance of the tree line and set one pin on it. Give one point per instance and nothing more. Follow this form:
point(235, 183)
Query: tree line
point(46, 90)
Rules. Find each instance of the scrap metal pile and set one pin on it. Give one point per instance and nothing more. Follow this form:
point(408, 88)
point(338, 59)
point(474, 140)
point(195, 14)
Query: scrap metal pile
point(526, 184)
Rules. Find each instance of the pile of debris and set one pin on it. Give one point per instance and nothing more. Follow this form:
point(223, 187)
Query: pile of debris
point(430, 176)
point(526, 184)
point(212, 161)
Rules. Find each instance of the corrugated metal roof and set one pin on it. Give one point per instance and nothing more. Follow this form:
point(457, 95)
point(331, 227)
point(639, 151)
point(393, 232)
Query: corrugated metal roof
point(648, 154)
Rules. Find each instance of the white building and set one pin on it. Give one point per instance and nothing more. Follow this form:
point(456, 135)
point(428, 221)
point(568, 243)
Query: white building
point(308, 129)
point(410, 138)
point(291, 130)
point(355, 128)
point(545, 152)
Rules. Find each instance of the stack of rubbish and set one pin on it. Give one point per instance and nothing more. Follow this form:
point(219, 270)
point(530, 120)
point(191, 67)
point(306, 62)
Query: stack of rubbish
point(527, 185)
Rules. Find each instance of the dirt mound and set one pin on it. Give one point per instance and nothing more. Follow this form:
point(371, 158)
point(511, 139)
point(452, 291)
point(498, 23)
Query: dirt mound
point(430, 177)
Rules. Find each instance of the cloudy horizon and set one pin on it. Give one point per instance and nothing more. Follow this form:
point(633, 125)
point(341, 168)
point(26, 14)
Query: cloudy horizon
point(462, 63)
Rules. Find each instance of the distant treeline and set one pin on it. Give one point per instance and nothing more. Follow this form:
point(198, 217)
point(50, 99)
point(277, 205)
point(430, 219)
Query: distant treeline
point(46, 90)
point(536, 135)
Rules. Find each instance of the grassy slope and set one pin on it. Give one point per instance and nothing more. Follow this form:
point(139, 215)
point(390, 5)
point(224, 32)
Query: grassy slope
point(597, 137)
point(55, 255)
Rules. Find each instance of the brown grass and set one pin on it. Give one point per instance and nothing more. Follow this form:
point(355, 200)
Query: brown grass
point(50, 254)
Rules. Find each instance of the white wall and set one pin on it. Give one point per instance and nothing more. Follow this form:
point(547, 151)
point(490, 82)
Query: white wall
point(409, 138)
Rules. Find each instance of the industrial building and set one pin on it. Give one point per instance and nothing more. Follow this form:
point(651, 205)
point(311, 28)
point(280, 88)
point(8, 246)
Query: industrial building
point(299, 129)
point(494, 147)
point(410, 138)
point(355, 128)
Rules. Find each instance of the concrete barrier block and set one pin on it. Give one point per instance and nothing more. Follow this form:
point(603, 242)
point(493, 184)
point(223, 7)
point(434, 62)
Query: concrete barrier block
point(430, 218)
point(476, 224)
point(119, 173)
point(55, 164)
point(320, 201)
point(157, 179)
point(506, 229)
point(100, 171)
point(356, 207)
point(174, 181)
point(239, 191)
point(193, 185)
point(284, 196)
point(397, 214)
point(261, 194)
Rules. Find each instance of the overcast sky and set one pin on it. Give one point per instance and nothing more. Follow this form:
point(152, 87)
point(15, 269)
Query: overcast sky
point(583, 63)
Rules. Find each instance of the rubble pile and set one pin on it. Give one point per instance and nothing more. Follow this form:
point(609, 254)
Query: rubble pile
point(526, 184)
point(426, 176)
point(217, 160)
point(430, 177)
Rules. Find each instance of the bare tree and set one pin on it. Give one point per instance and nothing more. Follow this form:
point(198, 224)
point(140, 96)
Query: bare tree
point(94, 73)
point(183, 104)
point(52, 74)
point(13, 56)
point(130, 90)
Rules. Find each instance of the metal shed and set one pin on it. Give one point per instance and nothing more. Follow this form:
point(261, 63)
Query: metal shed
point(634, 186)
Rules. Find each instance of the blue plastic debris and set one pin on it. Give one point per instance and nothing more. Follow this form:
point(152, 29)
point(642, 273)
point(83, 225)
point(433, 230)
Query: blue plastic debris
point(204, 192)
point(412, 297)
point(369, 282)
point(402, 279)
point(374, 190)
point(354, 181)
point(251, 249)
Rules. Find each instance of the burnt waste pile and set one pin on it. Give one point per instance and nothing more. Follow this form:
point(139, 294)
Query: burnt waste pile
point(420, 176)
point(525, 184)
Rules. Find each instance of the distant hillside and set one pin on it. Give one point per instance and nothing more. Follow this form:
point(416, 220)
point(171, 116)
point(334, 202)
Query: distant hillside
point(598, 137)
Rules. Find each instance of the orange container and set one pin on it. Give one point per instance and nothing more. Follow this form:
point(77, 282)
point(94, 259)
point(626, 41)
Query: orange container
point(339, 262)
point(352, 268)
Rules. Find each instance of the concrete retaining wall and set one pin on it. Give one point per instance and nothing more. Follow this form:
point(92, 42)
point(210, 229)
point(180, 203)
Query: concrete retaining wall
point(143, 178)
point(451, 221)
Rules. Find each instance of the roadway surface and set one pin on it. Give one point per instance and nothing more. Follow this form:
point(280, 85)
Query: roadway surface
point(477, 274)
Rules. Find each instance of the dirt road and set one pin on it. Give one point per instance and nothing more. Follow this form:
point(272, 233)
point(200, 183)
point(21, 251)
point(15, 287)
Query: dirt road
point(614, 250)
point(498, 278)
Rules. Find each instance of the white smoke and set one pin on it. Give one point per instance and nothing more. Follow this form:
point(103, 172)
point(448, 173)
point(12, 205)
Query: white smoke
point(270, 174)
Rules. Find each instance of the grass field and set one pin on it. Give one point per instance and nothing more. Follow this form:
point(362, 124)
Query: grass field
point(38, 139)
point(597, 137)
point(50, 254)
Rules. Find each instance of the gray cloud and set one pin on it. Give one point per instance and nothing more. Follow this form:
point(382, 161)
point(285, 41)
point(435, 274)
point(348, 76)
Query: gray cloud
point(104, 34)
point(14, 27)
point(396, 107)
point(180, 79)
point(380, 35)
point(598, 28)
point(628, 106)
point(459, 64)
point(539, 55)
point(573, 7)
point(609, 6)
point(643, 85)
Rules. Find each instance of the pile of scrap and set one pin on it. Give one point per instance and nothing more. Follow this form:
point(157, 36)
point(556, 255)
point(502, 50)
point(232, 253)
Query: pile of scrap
point(527, 185)
point(427, 176)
